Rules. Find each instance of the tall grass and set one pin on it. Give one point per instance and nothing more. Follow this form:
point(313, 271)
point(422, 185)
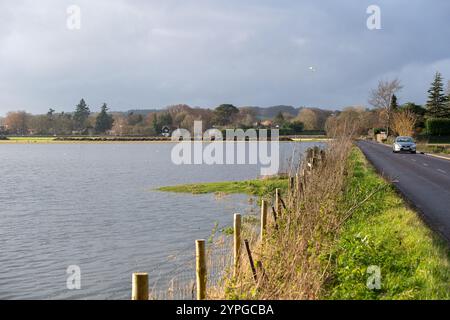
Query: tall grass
point(340, 219)
point(294, 260)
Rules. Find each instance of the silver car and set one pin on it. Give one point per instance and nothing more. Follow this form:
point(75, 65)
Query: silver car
point(404, 144)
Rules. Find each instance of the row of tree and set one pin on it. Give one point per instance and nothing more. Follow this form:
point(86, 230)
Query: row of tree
point(83, 121)
point(386, 114)
point(390, 116)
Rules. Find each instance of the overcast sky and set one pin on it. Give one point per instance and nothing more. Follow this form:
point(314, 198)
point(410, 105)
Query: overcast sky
point(150, 54)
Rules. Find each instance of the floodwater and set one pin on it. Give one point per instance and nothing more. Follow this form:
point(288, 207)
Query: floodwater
point(95, 206)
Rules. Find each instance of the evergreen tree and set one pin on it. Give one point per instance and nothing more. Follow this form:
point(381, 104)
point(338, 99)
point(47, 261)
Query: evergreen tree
point(225, 114)
point(81, 115)
point(51, 120)
point(279, 119)
point(104, 121)
point(394, 103)
point(447, 105)
point(436, 104)
point(155, 124)
point(165, 119)
point(50, 112)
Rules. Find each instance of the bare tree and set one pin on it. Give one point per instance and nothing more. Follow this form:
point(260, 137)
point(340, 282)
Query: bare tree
point(17, 122)
point(309, 119)
point(403, 122)
point(381, 98)
point(352, 121)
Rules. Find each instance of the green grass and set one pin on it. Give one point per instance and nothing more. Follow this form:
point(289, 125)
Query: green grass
point(258, 187)
point(30, 139)
point(414, 262)
point(434, 148)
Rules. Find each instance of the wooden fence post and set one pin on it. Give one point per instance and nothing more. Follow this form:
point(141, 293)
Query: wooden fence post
point(309, 154)
point(237, 242)
point(308, 159)
point(139, 286)
point(263, 219)
point(277, 202)
point(316, 151)
point(250, 259)
point(322, 155)
point(200, 259)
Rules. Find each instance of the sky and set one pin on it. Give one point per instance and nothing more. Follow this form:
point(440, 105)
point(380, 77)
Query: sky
point(150, 54)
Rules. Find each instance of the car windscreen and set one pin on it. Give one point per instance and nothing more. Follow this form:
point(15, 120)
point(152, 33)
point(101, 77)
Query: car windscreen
point(404, 140)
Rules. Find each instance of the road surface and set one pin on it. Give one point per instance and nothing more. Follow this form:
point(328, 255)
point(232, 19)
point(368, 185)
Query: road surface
point(423, 180)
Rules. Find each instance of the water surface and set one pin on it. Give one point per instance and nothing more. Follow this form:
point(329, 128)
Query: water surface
point(95, 206)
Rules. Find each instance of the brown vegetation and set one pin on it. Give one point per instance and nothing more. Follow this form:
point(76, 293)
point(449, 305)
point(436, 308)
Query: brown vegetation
point(382, 98)
point(293, 260)
point(403, 122)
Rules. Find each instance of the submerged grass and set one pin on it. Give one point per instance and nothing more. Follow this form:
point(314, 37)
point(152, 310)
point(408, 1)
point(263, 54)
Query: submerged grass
point(28, 140)
point(259, 187)
point(384, 232)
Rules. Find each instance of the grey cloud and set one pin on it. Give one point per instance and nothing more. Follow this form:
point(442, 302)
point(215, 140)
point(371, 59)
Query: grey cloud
point(139, 54)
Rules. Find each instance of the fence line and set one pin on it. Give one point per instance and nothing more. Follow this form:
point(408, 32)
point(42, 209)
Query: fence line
point(213, 260)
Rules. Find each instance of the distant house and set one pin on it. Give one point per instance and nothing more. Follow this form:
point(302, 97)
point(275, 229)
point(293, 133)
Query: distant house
point(165, 131)
point(380, 137)
point(267, 123)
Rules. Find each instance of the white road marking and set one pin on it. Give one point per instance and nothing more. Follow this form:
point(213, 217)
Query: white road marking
point(425, 164)
point(414, 160)
point(440, 170)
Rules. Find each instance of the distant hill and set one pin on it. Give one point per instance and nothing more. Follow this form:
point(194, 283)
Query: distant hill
point(142, 112)
point(271, 112)
point(260, 112)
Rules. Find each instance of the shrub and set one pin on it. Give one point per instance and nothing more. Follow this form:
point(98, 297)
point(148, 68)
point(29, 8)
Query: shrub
point(378, 130)
point(290, 128)
point(438, 126)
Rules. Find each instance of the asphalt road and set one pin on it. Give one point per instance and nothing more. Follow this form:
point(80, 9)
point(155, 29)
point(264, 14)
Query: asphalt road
point(423, 180)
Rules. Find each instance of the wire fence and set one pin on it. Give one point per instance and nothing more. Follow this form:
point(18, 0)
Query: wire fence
point(179, 283)
point(221, 255)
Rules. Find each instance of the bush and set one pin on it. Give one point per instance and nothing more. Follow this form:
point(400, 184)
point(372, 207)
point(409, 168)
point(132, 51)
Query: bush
point(378, 130)
point(291, 128)
point(438, 126)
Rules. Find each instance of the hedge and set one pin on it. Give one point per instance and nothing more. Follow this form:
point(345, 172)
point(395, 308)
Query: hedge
point(438, 126)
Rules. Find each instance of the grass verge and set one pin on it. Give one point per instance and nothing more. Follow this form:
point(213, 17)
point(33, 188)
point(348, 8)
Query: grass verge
point(259, 187)
point(384, 232)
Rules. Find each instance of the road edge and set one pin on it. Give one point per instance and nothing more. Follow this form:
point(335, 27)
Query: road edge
point(424, 153)
point(427, 221)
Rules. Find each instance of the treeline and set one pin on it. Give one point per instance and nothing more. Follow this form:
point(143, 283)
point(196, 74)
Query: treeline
point(134, 123)
point(388, 115)
point(81, 121)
